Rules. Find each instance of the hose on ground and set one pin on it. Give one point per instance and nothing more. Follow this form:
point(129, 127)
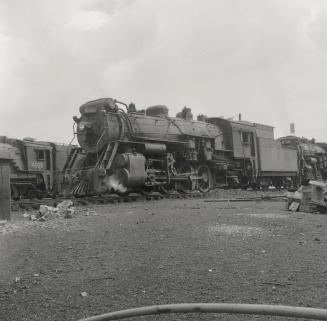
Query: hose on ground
point(257, 309)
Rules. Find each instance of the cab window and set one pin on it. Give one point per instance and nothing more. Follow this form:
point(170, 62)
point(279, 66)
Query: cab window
point(40, 155)
point(245, 138)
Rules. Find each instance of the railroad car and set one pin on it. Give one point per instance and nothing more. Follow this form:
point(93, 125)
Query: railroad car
point(312, 157)
point(324, 170)
point(148, 150)
point(35, 166)
point(255, 157)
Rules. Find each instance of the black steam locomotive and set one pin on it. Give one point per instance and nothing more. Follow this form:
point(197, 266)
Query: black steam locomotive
point(147, 150)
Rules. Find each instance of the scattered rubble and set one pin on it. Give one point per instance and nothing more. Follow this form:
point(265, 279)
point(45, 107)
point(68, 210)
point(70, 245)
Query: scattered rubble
point(295, 200)
point(64, 209)
point(33, 217)
point(64, 205)
point(68, 213)
point(46, 210)
point(319, 196)
point(309, 198)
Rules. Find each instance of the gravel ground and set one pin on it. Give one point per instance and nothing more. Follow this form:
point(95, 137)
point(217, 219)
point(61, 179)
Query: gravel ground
point(159, 252)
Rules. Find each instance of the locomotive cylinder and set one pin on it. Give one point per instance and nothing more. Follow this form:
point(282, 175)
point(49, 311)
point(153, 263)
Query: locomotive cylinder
point(130, 168)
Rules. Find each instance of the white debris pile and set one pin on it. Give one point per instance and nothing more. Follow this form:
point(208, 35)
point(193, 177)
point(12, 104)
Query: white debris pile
point(63, 209)
point(319, 196)
point(45, 210)
point(294, 200)
point(309, 198)
point(65, 205)
point(319, 192)
point(66, 208)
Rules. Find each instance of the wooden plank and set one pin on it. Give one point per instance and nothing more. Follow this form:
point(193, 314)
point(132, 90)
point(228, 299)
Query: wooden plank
point(5, 209)
point(245, 199)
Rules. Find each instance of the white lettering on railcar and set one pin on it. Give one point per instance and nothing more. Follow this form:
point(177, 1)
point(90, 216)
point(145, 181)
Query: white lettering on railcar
point(37, 165)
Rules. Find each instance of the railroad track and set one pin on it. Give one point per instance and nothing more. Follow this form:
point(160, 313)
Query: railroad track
point(30, 204)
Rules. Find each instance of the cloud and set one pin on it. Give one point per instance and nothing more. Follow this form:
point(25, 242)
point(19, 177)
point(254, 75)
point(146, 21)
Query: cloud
point(88, 20)
point(265, 59)
point(53, 61)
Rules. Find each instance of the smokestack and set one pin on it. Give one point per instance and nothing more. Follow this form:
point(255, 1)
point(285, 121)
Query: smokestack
point(292, 128)
point(239, 116)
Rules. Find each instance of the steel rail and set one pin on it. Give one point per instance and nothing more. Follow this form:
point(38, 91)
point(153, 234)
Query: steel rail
point(218, 308)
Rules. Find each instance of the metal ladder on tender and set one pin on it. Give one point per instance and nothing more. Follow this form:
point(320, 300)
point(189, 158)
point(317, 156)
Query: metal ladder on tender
point(109, 154)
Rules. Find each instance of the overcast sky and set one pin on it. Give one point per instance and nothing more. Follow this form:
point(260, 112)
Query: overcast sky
point(266, 59)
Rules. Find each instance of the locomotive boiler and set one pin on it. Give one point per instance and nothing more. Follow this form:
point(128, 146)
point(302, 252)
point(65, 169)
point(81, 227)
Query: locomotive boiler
point(144, 149)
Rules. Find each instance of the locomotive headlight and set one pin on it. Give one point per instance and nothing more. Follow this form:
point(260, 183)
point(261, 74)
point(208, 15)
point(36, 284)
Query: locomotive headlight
point(83, 126)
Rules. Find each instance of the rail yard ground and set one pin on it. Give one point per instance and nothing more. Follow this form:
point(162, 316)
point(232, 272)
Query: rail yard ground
point(116, 256)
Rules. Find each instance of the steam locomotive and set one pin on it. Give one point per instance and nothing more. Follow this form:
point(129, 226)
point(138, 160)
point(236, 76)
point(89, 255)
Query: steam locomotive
point(35, 166)
point(128, 150)
point(311, 156)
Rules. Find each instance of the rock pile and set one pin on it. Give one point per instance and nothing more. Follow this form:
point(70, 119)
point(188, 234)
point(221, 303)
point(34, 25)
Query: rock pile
point(64, 209)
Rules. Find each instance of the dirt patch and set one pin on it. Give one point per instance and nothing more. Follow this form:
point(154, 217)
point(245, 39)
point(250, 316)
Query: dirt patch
point(244, 230)
point(8, 227)
point(113, 257)
point(270, 215)
point(22, 223)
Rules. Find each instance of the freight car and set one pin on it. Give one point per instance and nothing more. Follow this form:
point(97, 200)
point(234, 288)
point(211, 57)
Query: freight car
point(148, 150)
point(35, 166)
